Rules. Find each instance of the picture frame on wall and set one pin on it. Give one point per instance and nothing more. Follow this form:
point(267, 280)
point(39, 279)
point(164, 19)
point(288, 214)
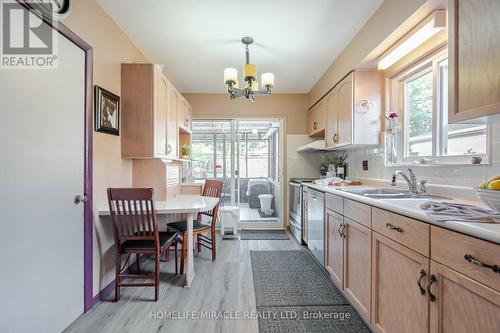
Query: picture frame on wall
point(107, 111)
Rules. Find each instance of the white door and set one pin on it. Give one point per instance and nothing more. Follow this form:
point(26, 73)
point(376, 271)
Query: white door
point(41, 170)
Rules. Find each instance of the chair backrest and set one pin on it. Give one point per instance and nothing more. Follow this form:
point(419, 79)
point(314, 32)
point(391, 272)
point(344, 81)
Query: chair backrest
point(133, 213)
point(213, 188)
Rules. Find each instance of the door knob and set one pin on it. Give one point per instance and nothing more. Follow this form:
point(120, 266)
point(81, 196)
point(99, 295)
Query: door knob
point(79, 198)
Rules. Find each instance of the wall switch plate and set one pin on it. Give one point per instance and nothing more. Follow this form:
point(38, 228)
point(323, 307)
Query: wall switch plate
point(365, 165)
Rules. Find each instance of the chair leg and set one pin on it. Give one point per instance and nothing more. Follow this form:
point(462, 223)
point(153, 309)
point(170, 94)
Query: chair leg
point(183, 252)
point(167, 254)
point(214, 252)
point(198, 242)
point(137, 257)
point(117, 276)
point(176, 260)
point(157, 275)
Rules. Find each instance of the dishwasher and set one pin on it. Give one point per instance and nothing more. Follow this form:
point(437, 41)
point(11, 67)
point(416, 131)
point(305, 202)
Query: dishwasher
point(316, 224)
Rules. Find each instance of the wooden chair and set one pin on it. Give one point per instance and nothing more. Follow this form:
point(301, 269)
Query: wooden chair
point(136, 231)
point(213, 188)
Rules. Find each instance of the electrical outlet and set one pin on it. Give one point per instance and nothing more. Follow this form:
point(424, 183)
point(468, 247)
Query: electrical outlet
point(365, 165)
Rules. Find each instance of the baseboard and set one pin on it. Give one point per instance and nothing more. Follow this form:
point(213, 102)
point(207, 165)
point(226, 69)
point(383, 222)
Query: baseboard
point(111, 286)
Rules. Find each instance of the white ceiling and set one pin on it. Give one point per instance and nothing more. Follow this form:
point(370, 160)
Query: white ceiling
point(297, 40)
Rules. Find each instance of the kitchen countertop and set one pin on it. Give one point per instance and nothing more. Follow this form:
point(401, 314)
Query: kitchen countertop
point(200, 183)
point(411, 208)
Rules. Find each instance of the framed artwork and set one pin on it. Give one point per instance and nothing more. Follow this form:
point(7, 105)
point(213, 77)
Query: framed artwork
point(107, 111)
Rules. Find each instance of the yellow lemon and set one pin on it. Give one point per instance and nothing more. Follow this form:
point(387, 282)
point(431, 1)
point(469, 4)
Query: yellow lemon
point(484, 184)
point(492, 179)
point(494, 185)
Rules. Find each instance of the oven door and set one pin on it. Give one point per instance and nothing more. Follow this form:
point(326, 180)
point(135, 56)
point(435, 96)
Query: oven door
point(295, 201)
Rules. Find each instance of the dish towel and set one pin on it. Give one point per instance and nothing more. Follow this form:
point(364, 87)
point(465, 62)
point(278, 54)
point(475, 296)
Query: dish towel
point(448, 211)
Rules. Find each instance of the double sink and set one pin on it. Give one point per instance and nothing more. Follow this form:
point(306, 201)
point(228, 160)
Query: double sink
point(386, 193)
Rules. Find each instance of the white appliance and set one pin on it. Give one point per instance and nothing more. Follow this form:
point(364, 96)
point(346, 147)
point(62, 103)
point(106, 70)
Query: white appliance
point(316, 224)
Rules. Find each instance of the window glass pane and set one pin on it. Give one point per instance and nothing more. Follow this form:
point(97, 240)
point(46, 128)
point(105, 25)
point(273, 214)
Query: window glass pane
point(418, 114)
point(203, 156)
point(457, 139)
point(257, 159)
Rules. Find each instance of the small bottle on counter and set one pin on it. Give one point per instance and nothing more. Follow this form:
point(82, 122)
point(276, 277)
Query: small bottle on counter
point(341, 170)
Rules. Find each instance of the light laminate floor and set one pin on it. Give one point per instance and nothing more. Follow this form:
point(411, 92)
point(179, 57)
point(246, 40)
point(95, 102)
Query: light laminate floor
point(223, 285)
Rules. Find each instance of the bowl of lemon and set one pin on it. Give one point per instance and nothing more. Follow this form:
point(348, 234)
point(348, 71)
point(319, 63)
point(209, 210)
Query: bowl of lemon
point(489, 192)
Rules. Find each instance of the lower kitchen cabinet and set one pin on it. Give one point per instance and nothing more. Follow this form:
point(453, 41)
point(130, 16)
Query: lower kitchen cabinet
point(357, 265)
point(403, 275)
point(461, 305)
point(398, 304)
point(335, 247)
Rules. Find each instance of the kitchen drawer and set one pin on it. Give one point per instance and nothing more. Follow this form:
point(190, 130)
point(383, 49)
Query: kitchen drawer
point(450, 248)
point(411, 233)
point(334, 203)
point(358, 212)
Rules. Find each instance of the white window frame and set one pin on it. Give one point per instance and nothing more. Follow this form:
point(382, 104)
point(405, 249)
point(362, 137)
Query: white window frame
point(397, 102)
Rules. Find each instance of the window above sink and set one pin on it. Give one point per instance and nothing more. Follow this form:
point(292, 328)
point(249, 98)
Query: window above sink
point(419, 95)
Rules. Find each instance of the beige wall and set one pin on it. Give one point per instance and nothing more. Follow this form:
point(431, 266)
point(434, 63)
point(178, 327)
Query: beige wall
point(386, 20)
point(111, 47)
point(292, 106)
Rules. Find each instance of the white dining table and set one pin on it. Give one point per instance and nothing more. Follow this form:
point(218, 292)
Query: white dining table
point(190, 205)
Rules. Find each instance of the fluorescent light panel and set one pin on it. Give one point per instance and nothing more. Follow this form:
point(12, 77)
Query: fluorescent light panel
point(430, 26)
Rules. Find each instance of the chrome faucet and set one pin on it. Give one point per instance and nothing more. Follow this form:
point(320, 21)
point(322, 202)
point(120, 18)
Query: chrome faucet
point(411, 180)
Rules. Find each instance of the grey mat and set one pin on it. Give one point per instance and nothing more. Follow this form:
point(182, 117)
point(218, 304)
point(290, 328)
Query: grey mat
point(283, 260)
point(291, 278)
point(263, 234)
point(298, 295)
point(317, 319)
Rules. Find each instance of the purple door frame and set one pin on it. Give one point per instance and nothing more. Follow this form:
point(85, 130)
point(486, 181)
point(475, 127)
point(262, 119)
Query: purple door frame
point(88, 170)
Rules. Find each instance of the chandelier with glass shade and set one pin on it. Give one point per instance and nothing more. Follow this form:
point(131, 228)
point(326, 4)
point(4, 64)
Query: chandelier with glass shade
point(251, 86)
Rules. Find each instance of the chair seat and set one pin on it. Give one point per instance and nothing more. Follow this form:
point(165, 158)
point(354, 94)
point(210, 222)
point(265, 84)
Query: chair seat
point(181, 226)
point(166, 238)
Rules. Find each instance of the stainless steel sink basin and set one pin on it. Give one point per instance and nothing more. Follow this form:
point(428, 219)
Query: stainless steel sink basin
point(387, 193)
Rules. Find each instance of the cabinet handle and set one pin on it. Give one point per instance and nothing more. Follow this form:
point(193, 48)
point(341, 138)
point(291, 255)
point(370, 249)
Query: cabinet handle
point(168, 149)
point(338, 230)
point(342, 233)
point(335, 138)
point(472, 260)
point(390, 226)
point(432, 279)
point(315, 125)
point(419, 282)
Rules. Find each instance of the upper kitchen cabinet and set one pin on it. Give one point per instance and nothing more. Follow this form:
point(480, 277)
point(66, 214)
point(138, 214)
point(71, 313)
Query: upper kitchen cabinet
point(353, 111)
point(474, 59)
point(149, 121)
point(316, 119)
point(185, 114)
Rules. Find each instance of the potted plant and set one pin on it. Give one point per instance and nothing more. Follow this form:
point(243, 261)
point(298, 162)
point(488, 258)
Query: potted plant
point(185, 151)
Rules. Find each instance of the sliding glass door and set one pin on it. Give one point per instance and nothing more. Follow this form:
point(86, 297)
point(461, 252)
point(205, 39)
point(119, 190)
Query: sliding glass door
point(245, 155)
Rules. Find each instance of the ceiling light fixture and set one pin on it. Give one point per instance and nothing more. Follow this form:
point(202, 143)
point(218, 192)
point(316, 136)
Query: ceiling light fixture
point(251, 88)
point(430, 26)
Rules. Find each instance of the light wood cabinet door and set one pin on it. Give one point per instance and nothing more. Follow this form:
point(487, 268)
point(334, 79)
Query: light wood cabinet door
point(172, 124)
point(357, 266)
point(317, 119)
point(474, 59)
point(345, 110)
point(160, 114)
point(397, 303)
point(331, 135)
point(462, 305)
point(335, 247)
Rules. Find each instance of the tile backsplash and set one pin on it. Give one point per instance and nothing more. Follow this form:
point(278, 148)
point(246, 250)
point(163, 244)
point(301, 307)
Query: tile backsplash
point(305, 165)
point(462, 175)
